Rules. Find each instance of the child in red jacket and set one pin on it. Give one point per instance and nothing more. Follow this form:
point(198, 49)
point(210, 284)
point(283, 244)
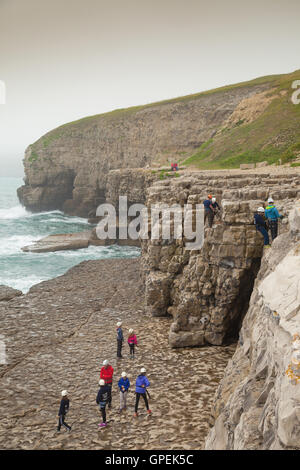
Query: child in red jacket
point(106, 374)
point(132, 341)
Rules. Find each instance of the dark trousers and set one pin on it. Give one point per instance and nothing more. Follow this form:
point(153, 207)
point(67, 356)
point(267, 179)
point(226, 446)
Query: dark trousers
point(119, 347)
point(61, 422)
point(273, 224)
point(103, 412)
point(265, 234)
point(137, 399)
point(109, 398)
point(210, 215)
point(131, 347)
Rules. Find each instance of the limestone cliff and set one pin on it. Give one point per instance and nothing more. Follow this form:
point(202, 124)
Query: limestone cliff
point(207, 291)
point(257, 404)
point(67, 168)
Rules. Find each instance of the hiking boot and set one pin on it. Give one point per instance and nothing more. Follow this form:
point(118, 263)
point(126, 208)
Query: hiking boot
point(102, 425)
point(135, 415)
point(149, 412)
point(120, 411)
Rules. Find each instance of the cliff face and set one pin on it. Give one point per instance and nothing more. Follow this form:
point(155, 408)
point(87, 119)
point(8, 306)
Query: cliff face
point(257, 405)
point(207, 291)
point(67, 168)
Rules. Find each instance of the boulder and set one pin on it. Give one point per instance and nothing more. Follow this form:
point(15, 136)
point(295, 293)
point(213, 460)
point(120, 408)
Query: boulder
point(8, 293)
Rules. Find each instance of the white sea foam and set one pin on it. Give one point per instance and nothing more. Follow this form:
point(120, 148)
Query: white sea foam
point(16, 212)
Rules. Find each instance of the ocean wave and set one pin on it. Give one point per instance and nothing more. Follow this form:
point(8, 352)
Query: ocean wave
point(16, 212)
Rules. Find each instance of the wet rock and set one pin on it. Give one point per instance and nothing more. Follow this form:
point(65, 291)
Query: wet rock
point(8, 293)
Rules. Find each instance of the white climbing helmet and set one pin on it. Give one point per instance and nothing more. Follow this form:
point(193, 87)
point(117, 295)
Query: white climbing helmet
point(270, 200)
point(130, 330)
point(260, 209)
point(64, 393)
point(213, 200)
point(124, 374)
point(143, 369)
point(119, 323)
point(101, 382)
point(105, 363)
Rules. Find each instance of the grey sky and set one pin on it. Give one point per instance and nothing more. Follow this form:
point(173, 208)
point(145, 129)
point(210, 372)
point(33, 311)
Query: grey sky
point(62, 60)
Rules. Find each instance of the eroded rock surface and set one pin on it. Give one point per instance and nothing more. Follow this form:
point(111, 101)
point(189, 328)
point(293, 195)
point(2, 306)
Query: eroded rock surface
point(57, 337)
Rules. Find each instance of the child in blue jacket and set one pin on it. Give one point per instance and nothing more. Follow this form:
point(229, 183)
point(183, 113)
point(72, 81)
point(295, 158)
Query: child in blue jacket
point(272, 215)
point(141, 385)
point(124, 385)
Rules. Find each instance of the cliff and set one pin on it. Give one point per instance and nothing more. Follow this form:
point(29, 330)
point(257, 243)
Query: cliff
point(207, 291)
point(258, 400)
point(67, 168)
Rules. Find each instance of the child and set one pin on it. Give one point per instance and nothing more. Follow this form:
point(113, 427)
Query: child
point(132, 341)
point(124, 385)
point(119, 340)
point(63, 410)
point(103, 397)
point(106, 373)
point(140, 390)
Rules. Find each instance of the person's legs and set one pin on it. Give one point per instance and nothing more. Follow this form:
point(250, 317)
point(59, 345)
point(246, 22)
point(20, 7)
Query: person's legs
point(265, 234)
point(210, 218)
point(274, 228)
point(103, 413)
point(137, 399)
point(121, 400)
point(62, 422)
point(110, 396)
point(119, 348)
point(125, 400)
point(145, 400)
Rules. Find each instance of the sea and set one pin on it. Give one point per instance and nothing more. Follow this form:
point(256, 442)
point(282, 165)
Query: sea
point(19, 227)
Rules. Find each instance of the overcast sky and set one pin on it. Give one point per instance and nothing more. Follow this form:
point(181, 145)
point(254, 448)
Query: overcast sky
point(65, 59)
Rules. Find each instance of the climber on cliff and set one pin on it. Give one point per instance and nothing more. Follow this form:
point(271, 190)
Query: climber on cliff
point(106, 374)
point(141, 385)
point(120, 339)
point(216, 207)
point(272, 216)
point(261, 226)
point(209, 210)
point(103, 398)
point(63, 410)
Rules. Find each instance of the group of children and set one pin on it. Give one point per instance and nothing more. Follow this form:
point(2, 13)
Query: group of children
point(104, 395)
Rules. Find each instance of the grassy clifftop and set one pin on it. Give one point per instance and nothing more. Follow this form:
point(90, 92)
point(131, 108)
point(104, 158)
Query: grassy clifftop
point(265, 127)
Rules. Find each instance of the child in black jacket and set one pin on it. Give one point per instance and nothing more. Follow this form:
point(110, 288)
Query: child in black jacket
point(63, 410)
point(103, 398)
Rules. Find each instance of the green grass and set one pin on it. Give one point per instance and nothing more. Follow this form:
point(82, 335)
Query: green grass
point(274, 135)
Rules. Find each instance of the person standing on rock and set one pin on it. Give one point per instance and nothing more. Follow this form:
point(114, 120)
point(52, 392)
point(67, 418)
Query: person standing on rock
point(216, 207)
point(63, 410)
point(124, 385)
point(261, 225)
point(208, 210)
point(106, 374)
point(132, 341)
point(141, 385)
point(272, 215)
point(120, 340)
point(103, 398)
